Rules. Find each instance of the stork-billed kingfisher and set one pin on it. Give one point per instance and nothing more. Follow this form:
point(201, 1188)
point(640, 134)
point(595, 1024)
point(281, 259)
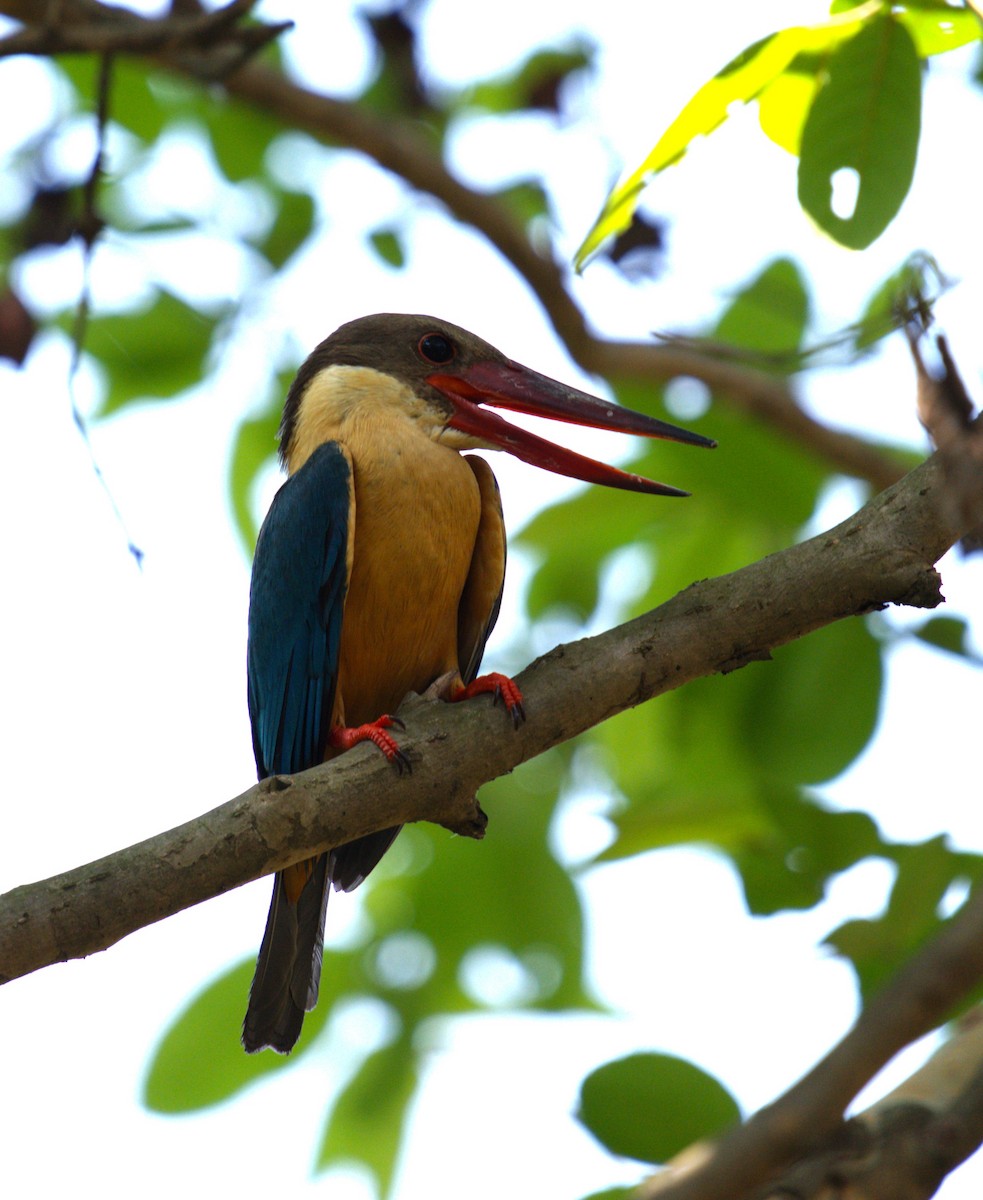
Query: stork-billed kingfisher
point(378, 571)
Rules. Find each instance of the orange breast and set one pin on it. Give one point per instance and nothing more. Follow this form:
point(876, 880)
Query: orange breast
point(416, 513)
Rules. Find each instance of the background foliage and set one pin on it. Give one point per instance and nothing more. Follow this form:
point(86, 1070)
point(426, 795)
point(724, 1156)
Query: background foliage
point(741, 764)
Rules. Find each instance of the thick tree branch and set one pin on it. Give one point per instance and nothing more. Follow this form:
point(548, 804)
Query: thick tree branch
point(881, 555)
point(403, 148)
point(937, 1116)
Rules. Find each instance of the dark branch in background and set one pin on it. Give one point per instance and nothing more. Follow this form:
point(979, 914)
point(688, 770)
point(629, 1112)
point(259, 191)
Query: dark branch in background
point(881, 555)
point(83, 26)
point(946, 412)
point(401, 148)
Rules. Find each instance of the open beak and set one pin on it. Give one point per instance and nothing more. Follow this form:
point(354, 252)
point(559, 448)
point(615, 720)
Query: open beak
point(509, 385)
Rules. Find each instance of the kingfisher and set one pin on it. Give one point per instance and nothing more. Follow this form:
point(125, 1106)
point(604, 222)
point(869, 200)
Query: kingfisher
point(378, 571)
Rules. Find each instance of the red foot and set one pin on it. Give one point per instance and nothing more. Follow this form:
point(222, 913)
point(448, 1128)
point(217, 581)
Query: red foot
point(343, 737)
point(502, 688)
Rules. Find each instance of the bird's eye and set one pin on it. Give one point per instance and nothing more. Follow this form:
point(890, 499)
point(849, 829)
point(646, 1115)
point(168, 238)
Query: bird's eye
point(436, 348)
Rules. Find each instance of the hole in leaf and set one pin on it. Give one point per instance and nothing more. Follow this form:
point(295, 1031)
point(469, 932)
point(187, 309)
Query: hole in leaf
point(846, 188)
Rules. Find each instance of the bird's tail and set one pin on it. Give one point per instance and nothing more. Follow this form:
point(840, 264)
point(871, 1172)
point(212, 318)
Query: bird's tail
point(288, 970)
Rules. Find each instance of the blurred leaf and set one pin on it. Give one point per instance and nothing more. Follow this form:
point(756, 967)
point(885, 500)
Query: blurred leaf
point(506, 892)
point(784, 104)
point(149, 355)
point(613, 1193)
point(937, 27)
point(865, 119)
point(950, 634)
point(295, 212)
point(253, 446)
point(769, 315)
point(240, 134)
point(652, 1106)
point(388, 244)
point(806, 846)
point(568, 575)
point(877, 948)
point(835, 671)
point(535, 85)
point(199, 1061)
point(367, 1122)
point(133, 103)
point(687, 774)
point(527, 200)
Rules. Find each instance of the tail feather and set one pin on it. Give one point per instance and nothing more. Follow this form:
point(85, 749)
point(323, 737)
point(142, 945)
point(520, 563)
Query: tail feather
point(351, 862)
point(288, 970)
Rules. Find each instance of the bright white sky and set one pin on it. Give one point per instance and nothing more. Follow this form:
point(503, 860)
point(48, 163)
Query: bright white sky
point(124, 698)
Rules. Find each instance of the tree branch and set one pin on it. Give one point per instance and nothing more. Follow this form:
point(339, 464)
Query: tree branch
point(67, 28)
point(881, 555)
point(927, 1126)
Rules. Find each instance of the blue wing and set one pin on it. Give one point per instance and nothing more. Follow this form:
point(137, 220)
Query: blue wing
point(296, 605)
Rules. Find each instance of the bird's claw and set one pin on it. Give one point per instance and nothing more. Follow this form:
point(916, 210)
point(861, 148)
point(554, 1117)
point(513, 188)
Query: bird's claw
point(343, 737)
point(502, 689)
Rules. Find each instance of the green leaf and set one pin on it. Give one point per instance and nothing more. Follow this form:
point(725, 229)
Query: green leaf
point(533, 86)
point(567, 578)
point(367, 1122)
point(865, 119)
point(388, 245)
point(613, 1193)
point(950, 634)
point(240, 135)
point(295, 212)
point(805, 847)
point(877, 948)
point(458, 902)
point(527, 200)
point(815, 708)
point(784, 104)
point(652, 1106)
point(150, 355)
point(253, 446)
point(937, 27)
point(769, 316)
point(199, 1061)
point(133, 101)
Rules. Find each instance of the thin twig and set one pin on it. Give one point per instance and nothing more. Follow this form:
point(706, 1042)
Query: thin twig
point(90, 226)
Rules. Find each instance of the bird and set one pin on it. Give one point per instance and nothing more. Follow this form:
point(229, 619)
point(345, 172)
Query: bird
point(379, 570)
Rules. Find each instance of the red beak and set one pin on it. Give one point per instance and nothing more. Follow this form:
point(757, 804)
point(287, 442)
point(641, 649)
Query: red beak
point(509, 385)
